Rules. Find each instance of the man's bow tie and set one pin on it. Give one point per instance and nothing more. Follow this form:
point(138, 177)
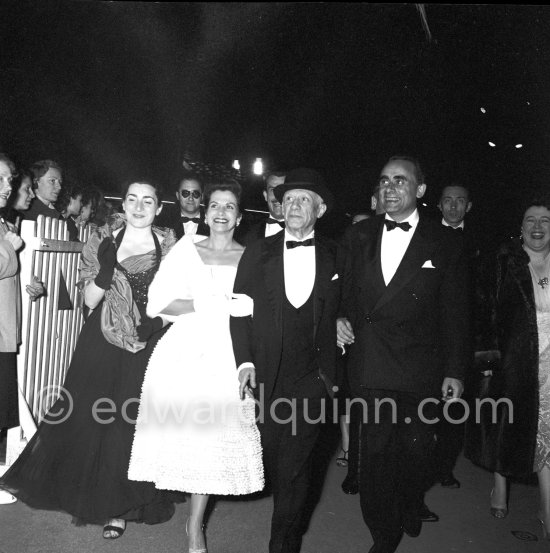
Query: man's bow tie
point(272, 221)
point(295, 243)
point(390, 225)
point(458, 228)
point(193, 219)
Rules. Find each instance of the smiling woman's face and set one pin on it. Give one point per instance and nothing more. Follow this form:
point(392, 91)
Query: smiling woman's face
point(141, 205)
point(222, 211)
point(535, 229)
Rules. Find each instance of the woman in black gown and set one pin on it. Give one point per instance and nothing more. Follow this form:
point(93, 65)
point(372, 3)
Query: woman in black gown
point(78, 459)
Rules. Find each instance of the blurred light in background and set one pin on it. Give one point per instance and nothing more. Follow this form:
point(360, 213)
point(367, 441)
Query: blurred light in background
point(258, 166)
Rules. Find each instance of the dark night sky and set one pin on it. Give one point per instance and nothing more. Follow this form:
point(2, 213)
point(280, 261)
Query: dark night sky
point(113, 88)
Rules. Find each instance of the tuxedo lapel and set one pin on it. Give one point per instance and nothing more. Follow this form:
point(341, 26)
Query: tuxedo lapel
point(417, 253)
point(371, 283)
point(272, 262)
point(324, 271)
point(203, 228)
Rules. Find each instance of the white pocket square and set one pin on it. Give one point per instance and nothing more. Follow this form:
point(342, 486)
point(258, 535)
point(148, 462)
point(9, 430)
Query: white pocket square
point(334, 277)
point(428, 265)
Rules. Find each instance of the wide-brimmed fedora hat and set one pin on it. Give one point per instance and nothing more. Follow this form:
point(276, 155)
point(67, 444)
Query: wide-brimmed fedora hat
point(305, 179)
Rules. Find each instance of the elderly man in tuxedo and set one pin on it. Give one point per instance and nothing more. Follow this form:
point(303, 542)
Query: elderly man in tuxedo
point(405, 315)
point(286, 352)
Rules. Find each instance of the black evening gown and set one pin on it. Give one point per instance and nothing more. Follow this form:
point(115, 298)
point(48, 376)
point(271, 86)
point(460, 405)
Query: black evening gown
point(80, 465)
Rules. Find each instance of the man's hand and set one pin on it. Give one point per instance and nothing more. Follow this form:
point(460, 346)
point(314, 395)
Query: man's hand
point(35, 289)
point(247, 380)
point(344, 332)
point(14, 239)
point(451, 388)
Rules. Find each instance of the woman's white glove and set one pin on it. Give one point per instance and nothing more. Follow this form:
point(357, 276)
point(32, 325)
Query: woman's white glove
point(211, 304)
point(241, 305)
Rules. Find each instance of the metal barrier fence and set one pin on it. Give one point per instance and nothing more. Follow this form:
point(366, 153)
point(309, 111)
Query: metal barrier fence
point(51, 324)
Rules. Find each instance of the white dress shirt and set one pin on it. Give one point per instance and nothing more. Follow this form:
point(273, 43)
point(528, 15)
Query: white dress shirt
point(394, 245)
point(272, 228)
point(190, 228)
point(299, 270)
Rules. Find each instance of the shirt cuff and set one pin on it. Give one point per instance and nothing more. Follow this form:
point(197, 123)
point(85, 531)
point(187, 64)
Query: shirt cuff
point(247, 365)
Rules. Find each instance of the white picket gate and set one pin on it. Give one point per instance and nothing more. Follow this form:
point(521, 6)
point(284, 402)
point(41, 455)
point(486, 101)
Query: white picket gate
point(51, 324)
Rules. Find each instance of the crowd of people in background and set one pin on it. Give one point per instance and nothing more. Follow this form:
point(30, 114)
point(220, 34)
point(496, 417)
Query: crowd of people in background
point(192, 304)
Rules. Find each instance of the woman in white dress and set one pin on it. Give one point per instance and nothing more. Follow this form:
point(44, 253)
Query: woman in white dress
point(194, 433)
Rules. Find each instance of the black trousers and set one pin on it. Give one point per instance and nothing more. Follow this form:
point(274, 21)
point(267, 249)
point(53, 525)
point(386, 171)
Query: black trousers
point(9, 412)
point(396, 457)
point(288, 448)
point(450, 439)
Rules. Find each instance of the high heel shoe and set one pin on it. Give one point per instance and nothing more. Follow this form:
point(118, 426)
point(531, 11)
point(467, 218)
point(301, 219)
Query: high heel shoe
point(191, 549)
point(498, 512)
point(342, 460)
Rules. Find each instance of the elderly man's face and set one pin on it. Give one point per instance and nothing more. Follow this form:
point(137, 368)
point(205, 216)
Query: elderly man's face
point(301, 209)
point(275, 208)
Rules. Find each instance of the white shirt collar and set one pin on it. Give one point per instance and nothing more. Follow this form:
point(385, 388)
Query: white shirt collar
point(445, 224)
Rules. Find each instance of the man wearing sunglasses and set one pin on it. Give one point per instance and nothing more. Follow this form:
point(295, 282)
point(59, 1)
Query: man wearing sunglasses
point(187, 218)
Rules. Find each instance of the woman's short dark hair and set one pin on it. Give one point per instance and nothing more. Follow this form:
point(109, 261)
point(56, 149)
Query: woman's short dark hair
point(540, 200)
point(226, 184)
point(40, 168)
point(151, 182)
point(68, 192)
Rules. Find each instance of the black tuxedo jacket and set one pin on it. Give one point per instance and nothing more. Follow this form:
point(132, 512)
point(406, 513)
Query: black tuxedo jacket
point(170, 217)
point(258, 339)
point(251, 233)
point(410, 334)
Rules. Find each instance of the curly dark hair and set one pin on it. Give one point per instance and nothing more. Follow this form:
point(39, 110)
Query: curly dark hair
point(68, 192)
point(226, 184)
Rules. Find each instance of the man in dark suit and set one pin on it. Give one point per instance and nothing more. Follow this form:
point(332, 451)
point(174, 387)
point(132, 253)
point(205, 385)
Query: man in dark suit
point(272, 224)
point(405, 315)
point(186, 216)
point(454, 203)
point(286, 351)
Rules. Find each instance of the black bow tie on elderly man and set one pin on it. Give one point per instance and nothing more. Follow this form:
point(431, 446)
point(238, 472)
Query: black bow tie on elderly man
point(196, 220)
point(272, 221)
point(295, 243)
point(390, 225)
